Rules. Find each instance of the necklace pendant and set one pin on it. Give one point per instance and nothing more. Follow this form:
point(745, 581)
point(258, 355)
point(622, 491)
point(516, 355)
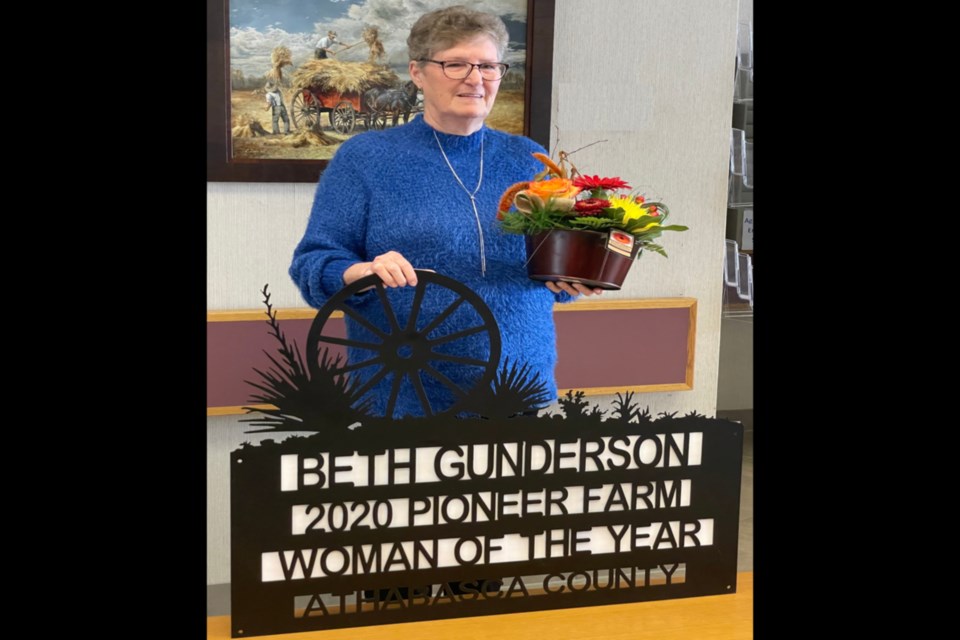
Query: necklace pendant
point(472, 196)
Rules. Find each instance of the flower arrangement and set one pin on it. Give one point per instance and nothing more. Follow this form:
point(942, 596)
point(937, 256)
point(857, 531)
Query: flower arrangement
point(552, 200)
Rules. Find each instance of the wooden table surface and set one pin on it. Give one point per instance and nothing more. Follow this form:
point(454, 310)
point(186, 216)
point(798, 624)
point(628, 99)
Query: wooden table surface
point(724, 617)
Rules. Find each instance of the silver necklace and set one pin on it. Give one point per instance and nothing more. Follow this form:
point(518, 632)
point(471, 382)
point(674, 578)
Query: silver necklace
point(472, 196)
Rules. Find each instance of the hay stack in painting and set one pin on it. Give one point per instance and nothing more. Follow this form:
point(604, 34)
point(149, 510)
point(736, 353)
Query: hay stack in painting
point(333, 76)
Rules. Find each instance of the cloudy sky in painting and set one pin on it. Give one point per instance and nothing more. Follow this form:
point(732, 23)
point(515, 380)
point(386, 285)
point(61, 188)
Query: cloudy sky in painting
point(257, 26)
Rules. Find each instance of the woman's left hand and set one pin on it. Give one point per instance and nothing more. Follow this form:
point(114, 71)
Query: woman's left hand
point(573, 288)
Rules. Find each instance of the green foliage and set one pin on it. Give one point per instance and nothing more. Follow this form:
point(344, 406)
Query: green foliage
point(533, 215)
point(655, 248)
point(595, 223)
point(533, 223)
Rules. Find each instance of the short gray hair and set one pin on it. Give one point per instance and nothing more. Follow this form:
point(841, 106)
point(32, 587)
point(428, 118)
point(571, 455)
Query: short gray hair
point(445, 28)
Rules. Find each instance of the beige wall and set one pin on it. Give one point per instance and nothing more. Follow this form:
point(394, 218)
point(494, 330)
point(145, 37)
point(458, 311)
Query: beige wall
point(654, 79)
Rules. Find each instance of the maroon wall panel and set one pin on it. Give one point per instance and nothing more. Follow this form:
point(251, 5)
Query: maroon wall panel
point(621, 348)
point(235, 348)
point(597, 348)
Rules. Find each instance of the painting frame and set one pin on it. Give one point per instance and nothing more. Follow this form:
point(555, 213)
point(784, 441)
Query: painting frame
point(222, 167)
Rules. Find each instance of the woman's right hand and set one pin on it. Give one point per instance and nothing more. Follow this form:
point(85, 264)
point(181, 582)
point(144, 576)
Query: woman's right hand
point(392, 267)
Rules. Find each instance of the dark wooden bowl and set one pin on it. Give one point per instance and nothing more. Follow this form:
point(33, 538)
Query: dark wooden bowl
point(577, 256)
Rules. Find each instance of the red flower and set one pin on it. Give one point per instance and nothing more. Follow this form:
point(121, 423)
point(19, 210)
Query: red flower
point(652, 211)
point(591, 206)
point(596, 182)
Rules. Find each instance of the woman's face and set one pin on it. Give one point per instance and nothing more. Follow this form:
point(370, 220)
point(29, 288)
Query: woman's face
point(457, 106)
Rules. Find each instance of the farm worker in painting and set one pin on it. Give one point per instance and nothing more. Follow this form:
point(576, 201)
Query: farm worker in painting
point(275, 102)
point(424, 195)
point(323, 49)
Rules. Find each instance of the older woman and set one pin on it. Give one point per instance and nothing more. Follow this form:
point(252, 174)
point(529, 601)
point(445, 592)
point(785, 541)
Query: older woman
point(424, 196)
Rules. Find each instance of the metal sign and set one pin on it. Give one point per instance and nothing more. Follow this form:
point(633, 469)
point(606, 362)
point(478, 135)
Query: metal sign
point(372, 519)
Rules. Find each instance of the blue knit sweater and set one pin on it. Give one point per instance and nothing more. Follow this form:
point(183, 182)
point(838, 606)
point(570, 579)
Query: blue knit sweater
point(392, 190)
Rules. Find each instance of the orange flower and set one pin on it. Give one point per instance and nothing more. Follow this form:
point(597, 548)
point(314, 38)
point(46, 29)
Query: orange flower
point(553, 188)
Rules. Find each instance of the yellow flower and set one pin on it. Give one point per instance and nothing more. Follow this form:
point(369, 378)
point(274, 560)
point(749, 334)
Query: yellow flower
point(632, 210)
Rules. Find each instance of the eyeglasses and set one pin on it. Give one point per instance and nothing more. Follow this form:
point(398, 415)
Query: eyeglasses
point(460, 70)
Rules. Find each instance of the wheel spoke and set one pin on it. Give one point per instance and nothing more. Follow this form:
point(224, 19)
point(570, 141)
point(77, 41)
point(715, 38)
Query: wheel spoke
point(415, 308)
point(447, 382)
point(394, 325)
point(361, 365)
point(362, 321)
point(450, 337)
point(443, 316)
point(371, 374)
point(372, 346)
point(458, 359)
point(374, 379)
point(394, 391)
point(422, 394)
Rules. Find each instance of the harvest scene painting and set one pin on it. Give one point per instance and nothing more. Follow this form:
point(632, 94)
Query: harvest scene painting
point(305, 75)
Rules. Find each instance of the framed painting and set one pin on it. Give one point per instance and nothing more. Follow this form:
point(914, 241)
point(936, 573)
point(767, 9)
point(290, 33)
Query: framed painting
point(327, 62)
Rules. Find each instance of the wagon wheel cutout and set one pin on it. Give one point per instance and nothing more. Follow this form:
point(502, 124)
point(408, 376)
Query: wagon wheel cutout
point(408, 352)
point(343, 117)
point(305, 116)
